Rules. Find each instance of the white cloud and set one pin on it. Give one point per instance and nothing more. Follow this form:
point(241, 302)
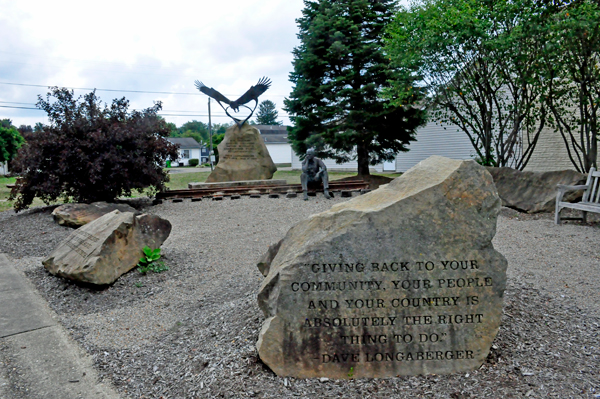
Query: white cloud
point(148, 46)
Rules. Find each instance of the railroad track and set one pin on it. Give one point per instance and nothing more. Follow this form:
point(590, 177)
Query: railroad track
point(334, 186)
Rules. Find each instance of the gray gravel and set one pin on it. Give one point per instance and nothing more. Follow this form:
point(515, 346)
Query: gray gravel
point(190, 332)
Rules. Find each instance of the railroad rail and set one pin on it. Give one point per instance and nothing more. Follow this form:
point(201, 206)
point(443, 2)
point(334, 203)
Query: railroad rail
point(353, 185)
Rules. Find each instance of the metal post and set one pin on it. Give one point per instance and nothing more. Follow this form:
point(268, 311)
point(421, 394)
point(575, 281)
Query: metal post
point(210, 154)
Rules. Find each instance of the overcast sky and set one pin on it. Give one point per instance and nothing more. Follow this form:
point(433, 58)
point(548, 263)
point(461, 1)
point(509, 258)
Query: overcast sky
point(146, 46)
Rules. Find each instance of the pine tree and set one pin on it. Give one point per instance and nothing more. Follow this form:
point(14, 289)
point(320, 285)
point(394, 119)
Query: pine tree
point(340, 73)
point(267, 113)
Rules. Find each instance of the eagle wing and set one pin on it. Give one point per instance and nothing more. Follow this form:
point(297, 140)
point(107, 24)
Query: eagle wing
point(209, 91)
point(252, 94)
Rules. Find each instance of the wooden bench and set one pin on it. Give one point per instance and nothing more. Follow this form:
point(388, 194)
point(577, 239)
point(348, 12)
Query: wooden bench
point(590, 201)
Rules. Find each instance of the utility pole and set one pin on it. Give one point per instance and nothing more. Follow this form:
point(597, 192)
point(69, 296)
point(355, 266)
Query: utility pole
point(210, 154)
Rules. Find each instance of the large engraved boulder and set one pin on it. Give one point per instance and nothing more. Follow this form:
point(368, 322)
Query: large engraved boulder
point(401, 281)
point(76, 214)
point(243, 155)
point(534, 192)
point(106, 248)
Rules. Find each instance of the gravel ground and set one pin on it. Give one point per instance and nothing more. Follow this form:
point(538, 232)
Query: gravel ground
point(190, 332)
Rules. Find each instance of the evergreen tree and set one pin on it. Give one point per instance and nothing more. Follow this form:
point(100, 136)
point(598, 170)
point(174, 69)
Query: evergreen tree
point(267, 114)
point(340, 72)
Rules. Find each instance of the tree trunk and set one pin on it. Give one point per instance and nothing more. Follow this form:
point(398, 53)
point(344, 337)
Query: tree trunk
point(363, 160)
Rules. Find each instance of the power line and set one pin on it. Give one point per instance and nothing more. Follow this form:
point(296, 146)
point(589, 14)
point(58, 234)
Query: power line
point(117, 90)
point(13, 102)
point(10, 106)
point(88, 88)
point(159, 113)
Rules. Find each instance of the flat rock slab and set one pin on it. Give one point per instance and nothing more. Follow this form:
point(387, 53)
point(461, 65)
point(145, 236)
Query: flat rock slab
point(243, 183)
point(76, 215)
point(243, 155)
point(106, 248)
point(534, 192)
point(400, 281)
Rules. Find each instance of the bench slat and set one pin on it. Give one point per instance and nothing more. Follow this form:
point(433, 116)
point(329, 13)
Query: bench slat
point(590, 200)
point(584, 206)
point(596, 191)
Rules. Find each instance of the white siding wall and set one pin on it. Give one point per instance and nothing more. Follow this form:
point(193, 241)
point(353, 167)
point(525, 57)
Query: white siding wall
point(331, 165)
point(194, 153)
point(433, 139)
point(3, 168)
point(280, 153)
point(550, 153)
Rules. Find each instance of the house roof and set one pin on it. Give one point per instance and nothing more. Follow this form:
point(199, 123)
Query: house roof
point(184, 142)
point(273, 134)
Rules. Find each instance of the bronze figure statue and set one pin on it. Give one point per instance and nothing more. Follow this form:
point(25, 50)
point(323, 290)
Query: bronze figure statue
point(252, 94)
point(314, 170)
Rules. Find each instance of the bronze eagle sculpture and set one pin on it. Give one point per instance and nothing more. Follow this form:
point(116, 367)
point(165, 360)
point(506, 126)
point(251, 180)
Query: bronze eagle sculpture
point(252, 94)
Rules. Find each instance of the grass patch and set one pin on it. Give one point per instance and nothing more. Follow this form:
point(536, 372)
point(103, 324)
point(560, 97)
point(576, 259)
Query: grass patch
point(179, 181)
point(6, 205)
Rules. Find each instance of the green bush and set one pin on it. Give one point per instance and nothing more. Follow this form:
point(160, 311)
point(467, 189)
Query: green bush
point(193, 162)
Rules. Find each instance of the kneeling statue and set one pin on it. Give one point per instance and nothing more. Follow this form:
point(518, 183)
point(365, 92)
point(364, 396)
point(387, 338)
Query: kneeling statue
point(314, 170)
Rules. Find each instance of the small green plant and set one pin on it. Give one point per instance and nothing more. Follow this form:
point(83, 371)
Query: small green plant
point(150, 262)
point(193, 162)
point(351, 373)
point(139, 285)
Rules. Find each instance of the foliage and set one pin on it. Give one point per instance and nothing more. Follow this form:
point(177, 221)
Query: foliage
point(25, 129)
point(10, 141)
point(195, 129)
point(267, 114)
point(478, 63)
point(193, 162)
point(149, 262)
point(340, 71)
point(572, 69)
point(217, 138)
point(91, 152)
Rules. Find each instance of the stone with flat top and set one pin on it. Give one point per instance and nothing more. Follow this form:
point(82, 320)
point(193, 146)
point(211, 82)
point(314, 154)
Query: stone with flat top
point(106, 248)
point(243, 155)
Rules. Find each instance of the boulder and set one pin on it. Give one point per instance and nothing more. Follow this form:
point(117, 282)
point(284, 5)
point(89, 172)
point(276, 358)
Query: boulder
point(243, 155)
point(534, 192)
point(403, 280)
point(76, 215)
point(106, 248)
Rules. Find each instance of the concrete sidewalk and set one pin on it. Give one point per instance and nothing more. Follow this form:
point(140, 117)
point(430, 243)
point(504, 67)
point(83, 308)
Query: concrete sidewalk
point(38, 359)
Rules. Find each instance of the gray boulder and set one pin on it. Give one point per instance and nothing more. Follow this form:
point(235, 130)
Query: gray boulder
point(534, 192)
point(106, 248)
point(403, 280)
point(76, 214)
point(243, 155)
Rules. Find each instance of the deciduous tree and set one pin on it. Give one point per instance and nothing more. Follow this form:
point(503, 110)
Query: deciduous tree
point(572, 69)
point(10, 141)
point(92, 152)
point(478, 62)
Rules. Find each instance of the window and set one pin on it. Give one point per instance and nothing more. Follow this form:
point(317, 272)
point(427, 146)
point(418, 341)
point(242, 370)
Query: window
point(185, 154)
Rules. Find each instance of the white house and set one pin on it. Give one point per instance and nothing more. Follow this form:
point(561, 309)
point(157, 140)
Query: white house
point(3, 168)
point(189, 148)
point(351, 166)
point(275, 138)
point(432, 139)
